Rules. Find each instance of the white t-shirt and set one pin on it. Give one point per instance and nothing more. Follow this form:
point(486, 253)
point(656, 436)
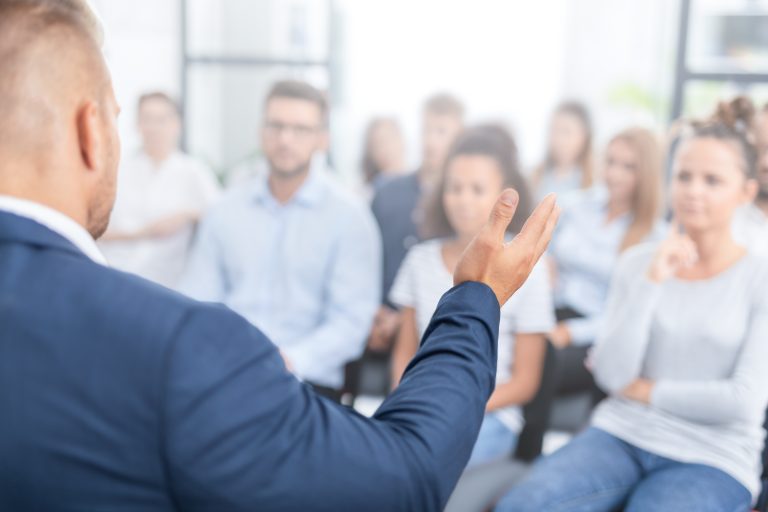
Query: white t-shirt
point(423, 279)
point(146, 194)
point(750, 228)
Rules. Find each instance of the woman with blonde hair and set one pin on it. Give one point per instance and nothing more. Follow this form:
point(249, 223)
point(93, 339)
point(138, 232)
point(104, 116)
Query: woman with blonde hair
point(600, 225)
point(594, 229)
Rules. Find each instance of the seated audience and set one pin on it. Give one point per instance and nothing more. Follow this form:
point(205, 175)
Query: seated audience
point(682, 354)
point(481, 164)
point(161, 195)
point(292, 251)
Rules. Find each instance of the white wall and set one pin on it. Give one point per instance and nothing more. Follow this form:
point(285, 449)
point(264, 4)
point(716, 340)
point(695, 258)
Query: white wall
point(510, 61)
point(504, 59)
point(142, 49)
point(611, 44)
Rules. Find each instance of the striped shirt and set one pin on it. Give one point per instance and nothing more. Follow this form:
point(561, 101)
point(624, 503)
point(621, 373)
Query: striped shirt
point(423, 279)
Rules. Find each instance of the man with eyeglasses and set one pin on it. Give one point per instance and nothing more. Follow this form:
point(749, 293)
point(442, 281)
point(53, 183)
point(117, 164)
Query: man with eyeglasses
point(117, 394)
point(292, 251)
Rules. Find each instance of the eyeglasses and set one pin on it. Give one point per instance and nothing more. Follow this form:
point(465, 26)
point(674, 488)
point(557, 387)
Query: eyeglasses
point(299, 131)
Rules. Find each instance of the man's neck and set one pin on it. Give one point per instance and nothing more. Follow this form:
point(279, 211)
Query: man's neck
point(616, 209)
point(283, 187)
point(158, 156)
point(49, 196)
point(428, 178)
point(714, 247)
point(762, 204)
point(562, 169)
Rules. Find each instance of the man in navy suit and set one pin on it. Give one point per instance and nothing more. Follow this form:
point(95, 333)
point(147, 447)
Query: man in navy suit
point(117, 394)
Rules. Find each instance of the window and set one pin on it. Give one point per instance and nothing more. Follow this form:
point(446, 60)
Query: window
point(232, 51)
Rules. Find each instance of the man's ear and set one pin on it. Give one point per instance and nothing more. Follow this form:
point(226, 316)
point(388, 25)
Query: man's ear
point(750, 189)
point(88, 134)
point(325, 140)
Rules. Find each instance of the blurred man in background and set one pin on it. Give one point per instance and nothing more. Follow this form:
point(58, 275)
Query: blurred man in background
point(162, 195)
point(292, 251)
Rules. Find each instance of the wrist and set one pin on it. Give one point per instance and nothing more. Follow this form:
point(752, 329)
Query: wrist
point(654, 275)
point(647, 390)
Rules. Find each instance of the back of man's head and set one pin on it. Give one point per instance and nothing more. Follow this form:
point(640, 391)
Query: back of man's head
point(49, 56)
point(58, 135)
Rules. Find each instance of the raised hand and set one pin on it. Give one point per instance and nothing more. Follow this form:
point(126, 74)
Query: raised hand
point(504, 267)
point(676, 252)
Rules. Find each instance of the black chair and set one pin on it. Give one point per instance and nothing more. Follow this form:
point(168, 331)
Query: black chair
point(537, 412)
point(369, 375)
point(548, 411)
point(762, 501)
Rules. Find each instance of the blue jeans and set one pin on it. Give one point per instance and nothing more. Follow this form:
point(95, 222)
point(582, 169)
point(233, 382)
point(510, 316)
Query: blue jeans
point(600, 472)
point(495, 441)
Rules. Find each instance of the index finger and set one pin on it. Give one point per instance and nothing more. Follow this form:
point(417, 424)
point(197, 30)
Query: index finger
point(546, 236)
point(536, 224)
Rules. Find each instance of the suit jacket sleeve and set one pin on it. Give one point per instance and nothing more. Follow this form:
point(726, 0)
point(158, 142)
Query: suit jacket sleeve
point(241, 433)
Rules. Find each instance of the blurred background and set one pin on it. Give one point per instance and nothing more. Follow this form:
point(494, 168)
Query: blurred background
point(436, 106)
point(630, 61)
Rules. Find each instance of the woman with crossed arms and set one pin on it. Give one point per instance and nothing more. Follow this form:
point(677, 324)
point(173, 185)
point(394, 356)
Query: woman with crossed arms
point(682, 354)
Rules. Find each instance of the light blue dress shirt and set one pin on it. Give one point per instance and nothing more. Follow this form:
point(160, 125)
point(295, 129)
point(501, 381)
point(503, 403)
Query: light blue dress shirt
point(562, 185)
point(585, 250)
point(306, 273)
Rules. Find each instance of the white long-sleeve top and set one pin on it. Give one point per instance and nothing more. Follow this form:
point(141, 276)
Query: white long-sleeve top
point(705, 344)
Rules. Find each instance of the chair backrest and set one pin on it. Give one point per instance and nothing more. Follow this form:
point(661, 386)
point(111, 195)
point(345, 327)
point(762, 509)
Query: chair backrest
point(765, 449)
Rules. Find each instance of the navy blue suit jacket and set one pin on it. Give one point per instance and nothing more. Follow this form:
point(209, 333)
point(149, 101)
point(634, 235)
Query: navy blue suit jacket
point(117, 394)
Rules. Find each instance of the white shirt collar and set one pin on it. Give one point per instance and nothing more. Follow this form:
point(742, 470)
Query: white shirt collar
point(56, 222)
point(757, 214)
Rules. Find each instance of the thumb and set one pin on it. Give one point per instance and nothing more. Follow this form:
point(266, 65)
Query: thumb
point(502, 214)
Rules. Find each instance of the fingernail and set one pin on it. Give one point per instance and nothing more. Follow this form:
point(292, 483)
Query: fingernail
point(508, 198)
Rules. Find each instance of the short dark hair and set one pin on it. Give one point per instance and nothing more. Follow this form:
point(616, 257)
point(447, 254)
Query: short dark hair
point(160, 96)
point(299, 90)
point(444, 104)
point(493, 141)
